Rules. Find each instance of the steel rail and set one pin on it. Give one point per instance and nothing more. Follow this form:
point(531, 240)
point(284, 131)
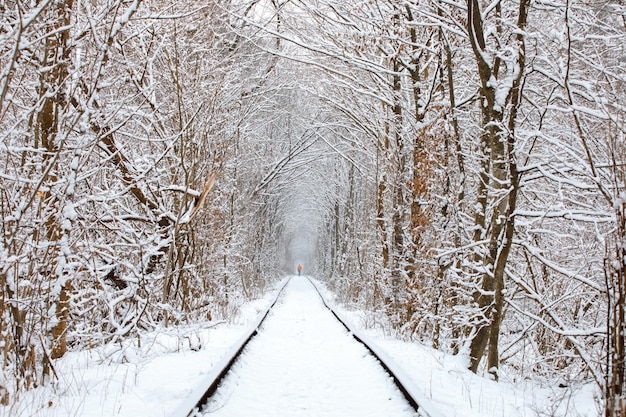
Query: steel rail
point(414, 397)
point(201, 395)
point(199, 398)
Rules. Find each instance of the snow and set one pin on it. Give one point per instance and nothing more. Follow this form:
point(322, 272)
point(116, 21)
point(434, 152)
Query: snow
point(302, 363)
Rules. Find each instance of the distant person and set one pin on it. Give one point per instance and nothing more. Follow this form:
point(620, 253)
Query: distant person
point(299, 269)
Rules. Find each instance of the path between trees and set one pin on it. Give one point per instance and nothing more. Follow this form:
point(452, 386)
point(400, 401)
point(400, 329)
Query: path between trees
point(303, 363)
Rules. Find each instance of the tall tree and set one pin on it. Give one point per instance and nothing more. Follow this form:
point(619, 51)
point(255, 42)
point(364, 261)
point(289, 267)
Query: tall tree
point(498, 183)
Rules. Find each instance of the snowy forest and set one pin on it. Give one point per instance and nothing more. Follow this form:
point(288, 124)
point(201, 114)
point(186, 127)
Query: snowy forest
point(455, 168)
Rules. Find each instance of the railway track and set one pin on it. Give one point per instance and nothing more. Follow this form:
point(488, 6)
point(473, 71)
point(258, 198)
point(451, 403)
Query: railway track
point(196, 403)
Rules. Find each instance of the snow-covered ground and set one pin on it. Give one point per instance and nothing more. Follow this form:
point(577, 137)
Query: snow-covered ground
point(304, 363)
point(457, 392)
point(152, 377)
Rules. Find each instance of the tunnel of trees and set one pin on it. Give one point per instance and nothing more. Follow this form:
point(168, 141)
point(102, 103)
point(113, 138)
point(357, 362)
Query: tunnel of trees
point(455, 168)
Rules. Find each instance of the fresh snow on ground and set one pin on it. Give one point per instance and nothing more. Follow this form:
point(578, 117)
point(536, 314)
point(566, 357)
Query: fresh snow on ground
point(457, 392)
point(146, 379)
point(299, 374)
point(304, 363)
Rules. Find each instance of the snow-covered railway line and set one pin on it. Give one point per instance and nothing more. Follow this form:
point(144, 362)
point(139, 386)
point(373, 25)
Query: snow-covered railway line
point(302, 358)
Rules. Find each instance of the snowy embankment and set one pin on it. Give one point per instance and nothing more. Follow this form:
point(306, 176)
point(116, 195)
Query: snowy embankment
point(149, 377)
point(152, 378)
point(457, 392)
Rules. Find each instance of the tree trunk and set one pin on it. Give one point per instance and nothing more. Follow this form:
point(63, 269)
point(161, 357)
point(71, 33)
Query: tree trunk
point(54, 103)
point(615, 270)
point(498, 164)
point(399, 218)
